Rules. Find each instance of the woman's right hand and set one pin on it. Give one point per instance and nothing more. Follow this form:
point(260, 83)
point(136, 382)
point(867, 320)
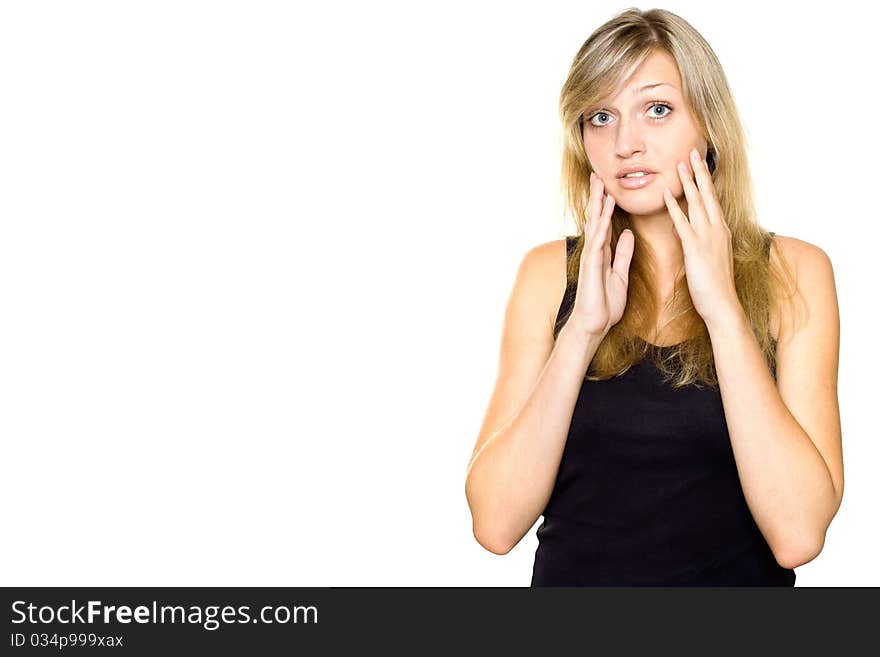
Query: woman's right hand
point(601, 290)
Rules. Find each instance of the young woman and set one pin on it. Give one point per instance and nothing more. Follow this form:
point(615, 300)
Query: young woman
point(667, 386)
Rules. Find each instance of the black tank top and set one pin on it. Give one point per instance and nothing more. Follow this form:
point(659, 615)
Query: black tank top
point(647, 492)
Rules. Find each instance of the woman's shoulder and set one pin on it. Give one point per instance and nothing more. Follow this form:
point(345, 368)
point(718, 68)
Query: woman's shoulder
point(548, 254)
point(797, 250)
point(798, 255)
point(549, 260)
point(545, 264)
point(803, 261)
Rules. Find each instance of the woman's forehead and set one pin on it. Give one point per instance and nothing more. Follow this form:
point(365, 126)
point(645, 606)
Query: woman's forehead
point(658, 68)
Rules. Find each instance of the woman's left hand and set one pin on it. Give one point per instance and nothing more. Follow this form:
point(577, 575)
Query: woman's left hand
point(705, 241)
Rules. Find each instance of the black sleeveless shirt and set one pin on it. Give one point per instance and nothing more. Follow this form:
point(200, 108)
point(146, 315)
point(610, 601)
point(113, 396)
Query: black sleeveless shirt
point(647, 492)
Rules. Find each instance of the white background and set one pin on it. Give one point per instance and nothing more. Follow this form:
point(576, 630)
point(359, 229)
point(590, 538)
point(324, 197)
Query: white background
point(254, 261)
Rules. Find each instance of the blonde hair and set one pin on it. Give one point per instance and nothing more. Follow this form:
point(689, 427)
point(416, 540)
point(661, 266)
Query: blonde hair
point(605, 61)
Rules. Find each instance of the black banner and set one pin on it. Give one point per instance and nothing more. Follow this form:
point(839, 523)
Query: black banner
point(110, 621)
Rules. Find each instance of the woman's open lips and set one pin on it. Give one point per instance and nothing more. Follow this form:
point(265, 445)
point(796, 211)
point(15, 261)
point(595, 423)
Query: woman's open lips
point(636, 183)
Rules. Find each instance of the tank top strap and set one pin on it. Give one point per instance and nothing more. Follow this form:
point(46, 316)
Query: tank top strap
point(570, 287)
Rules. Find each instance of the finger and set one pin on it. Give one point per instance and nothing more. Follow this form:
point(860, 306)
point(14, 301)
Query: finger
point(679, 219)
point(606, 222)
point(707, 189)
point(696, 212)
point(606, 218)
point(624, 253)
point(606, 234)
point(595, 206)
point(599, 236)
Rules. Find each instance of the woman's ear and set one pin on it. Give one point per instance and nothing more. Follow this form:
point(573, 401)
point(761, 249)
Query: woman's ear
point(711, 160)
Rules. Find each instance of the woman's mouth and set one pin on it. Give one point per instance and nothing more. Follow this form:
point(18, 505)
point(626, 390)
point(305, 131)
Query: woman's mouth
point(636, 182)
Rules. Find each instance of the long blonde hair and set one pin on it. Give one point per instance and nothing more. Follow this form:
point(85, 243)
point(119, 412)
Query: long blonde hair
point(607, 59)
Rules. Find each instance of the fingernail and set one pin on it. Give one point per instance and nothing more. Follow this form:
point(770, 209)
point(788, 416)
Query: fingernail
point(695, 156)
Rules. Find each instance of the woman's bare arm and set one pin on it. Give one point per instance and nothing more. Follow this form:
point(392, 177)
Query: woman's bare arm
point(516, 459)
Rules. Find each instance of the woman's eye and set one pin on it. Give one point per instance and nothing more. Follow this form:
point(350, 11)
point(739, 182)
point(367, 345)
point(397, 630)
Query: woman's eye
point(652, 109)
point(660, 105)
point(597, 115)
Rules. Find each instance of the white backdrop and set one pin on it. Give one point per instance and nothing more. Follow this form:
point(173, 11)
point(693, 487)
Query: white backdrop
point(254, 261)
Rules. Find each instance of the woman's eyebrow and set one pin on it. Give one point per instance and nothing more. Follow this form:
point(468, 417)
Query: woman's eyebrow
point(641, 90)
point(655, 84)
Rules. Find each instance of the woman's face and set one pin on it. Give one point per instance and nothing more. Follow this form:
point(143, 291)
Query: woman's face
point(649, 128)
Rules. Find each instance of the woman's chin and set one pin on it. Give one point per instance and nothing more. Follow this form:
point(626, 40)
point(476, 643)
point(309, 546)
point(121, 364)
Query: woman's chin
point(646, 205)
